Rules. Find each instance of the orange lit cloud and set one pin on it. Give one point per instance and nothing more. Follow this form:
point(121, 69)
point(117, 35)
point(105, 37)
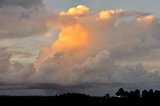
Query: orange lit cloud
point(79, 10)
point(89, 50)
point(71, 38)
point(145, 19)
point(104, 15)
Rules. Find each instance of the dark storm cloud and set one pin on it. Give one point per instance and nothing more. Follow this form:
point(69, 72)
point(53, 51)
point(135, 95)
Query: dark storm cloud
point(22, 18)
point(23, 3)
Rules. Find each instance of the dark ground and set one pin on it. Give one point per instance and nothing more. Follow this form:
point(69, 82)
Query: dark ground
point(122, 98)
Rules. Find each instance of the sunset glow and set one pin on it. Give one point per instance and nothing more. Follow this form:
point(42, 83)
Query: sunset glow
point(104, 15)
point(145, 19)
point(71, 37)
point(79, 10)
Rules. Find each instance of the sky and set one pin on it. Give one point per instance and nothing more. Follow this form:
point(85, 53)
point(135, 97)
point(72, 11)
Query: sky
point(80, 43)
point(97, 5)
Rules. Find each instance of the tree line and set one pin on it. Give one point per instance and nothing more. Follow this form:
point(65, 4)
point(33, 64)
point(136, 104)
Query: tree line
point(122, 98)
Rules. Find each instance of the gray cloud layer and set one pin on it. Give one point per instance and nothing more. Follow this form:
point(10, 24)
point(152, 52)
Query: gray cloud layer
point(22, 18)
point(23, 3)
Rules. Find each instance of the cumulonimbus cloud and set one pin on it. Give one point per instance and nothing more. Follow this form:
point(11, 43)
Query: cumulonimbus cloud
point(94, 48)
point(126, 41)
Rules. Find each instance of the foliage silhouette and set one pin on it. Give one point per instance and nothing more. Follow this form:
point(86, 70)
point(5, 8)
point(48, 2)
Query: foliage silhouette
point(122, 98)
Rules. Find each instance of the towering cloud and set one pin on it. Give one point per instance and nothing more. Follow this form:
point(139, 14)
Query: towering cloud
point(112, 46)
point(102, 48)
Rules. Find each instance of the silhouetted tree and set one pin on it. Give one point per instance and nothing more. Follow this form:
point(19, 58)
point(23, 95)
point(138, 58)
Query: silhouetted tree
point(131, 98)
point(157, 94)
point(120, 92)
point(144, 94)
point(126, 94)
point(137, 93)
point(150, 92)
point(107, 96)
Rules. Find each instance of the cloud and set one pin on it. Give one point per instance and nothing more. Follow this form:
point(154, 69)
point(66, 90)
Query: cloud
point(148, 18)
point(11, 71)
point(79, 10)
point(4, 58)
point(104, 15)
point(113, 52)
point(22, 18)
point(103, 69)
point(23, 3)
point(92, 49)
point(19, 73)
